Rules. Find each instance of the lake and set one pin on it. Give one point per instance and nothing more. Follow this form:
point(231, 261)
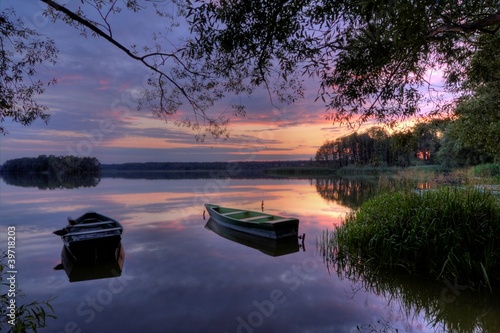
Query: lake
point(180, 276)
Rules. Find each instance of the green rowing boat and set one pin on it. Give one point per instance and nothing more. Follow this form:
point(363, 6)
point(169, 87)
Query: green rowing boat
point(256, 223)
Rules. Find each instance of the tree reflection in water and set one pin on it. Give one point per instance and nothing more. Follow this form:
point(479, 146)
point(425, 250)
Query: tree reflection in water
point(446, 305)
point(47, 181)
point(349, 192)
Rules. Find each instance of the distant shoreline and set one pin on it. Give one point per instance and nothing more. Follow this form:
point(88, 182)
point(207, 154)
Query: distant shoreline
point(153, 170)
point(203, 166)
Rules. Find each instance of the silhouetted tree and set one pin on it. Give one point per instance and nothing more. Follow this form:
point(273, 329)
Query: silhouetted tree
point(22, 51)
point(371, 56)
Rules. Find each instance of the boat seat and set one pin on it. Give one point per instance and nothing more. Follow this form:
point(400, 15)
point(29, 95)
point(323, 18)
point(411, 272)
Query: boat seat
point(233, 213)
point(254, 218)
point(92, 232)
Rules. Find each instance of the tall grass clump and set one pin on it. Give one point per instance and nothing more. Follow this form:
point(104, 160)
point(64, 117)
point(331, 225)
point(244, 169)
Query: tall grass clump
point(486, 170)
point(447, 233)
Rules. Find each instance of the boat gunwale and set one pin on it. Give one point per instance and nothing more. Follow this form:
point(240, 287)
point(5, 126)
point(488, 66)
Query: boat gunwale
point(93, 224)
point(266, 228)
point(267, 218)
point(115, 228)
point(78, 233)
point(88, 215)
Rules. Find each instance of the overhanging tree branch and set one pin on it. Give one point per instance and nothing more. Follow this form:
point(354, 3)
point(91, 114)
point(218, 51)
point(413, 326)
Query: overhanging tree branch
point(358, 49)
point(90, 26)
point(489, 24)
point(187, 84)
point(22, 50)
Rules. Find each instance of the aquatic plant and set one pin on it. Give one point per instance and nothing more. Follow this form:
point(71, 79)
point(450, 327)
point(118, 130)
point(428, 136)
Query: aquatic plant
point(446, 305)
point(17, 317)
point(451, 233)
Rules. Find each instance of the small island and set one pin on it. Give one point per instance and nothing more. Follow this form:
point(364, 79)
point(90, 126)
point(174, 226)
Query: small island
point(51, 172)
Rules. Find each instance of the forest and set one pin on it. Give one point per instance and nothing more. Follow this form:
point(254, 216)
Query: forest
point(427, 143)
point(52, 164)
point(51, 172)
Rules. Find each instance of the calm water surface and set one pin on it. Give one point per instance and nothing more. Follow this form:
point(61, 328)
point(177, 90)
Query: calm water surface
point(179, 276)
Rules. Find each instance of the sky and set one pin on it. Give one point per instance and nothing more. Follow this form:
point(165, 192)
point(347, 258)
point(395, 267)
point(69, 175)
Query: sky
point(93, 106)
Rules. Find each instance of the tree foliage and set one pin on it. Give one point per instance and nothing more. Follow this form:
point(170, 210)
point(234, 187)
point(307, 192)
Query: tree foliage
point(478, 123)
point(52, 164)
point(52, 172)
point(174, 79)
point(376, 147)
point(478, 113)
point(22, 50)
point(372, 57)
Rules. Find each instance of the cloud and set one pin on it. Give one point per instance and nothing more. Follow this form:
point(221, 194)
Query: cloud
point(94, 104)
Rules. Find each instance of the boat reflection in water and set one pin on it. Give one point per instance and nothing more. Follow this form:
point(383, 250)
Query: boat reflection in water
point(101, 267)
point(271, 247)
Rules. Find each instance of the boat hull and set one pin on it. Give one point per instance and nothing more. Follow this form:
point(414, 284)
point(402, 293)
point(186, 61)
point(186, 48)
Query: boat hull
point(255, 223)
point(96, 249)
point(91, 237)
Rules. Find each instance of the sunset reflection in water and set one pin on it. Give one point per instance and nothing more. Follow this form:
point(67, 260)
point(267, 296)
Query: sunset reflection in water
point(180, 277)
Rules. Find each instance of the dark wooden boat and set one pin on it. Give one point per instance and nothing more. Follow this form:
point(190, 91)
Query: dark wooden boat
point(256, 223)
point(91, 235)
point(271, 247)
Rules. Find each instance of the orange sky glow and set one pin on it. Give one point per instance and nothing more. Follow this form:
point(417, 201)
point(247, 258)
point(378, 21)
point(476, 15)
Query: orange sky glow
point(94, 113)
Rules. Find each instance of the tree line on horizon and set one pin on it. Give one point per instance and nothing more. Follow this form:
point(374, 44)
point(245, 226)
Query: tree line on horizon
point(51, 164)
point(52, 172)
point(434, 142)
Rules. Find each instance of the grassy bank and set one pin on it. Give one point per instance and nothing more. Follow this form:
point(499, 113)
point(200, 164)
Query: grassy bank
point(490, 170)
point(300, 171)
point(444, 233)
point(479, 174)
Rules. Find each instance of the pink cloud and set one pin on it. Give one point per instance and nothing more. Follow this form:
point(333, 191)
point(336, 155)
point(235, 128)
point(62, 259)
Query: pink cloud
point(69, 79)
point(103, 84)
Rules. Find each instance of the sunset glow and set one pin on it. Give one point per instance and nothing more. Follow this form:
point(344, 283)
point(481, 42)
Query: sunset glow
point(94, 113)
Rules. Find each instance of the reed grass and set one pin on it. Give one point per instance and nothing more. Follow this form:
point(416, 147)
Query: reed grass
point(447, 233)
point(467, 311)
point(490, 170)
